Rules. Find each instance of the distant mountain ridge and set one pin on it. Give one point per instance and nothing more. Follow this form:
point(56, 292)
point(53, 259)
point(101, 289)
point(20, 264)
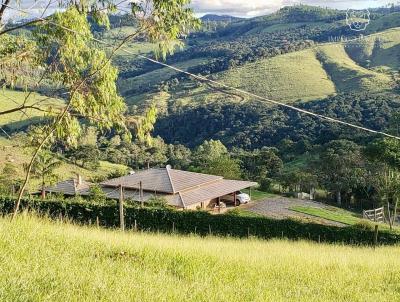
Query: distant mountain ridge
point(219, 18)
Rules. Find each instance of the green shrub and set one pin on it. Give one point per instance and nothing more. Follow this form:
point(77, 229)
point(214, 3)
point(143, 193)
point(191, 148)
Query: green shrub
point(364, 225)
point(266, 184)
point(157, 202)
point(199, 222)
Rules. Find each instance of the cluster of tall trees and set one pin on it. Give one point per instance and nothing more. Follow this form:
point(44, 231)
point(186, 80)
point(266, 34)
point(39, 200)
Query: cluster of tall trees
point(251, 125)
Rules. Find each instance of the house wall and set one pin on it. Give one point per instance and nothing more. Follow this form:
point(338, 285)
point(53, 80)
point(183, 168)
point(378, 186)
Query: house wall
point(207, 204)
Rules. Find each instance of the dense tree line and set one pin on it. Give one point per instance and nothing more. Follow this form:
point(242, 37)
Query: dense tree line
point(255, 124)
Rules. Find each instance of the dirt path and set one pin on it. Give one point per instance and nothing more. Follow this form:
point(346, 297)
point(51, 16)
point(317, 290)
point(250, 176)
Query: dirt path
point(278, 208)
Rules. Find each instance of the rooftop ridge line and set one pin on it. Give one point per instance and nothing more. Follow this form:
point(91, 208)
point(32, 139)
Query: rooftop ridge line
point(170, 180)
point(183, 201)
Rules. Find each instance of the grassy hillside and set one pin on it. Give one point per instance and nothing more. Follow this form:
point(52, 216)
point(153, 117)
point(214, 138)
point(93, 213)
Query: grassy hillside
point(378, 50)
point(11, 151)
point(150, 79)
point(287, 77)
point(309, 74)
point(99, 265)
point(347, 75)
point(119, 33)
point(10, 99)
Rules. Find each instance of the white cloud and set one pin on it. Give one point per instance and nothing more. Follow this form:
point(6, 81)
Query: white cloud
point(251, 8)
point(236, 7)
point(241, 8)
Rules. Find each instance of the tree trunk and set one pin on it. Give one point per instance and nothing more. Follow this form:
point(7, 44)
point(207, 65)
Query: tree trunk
point(2, 9)
point(339, 198)
point(43, 191)
point(312, 193)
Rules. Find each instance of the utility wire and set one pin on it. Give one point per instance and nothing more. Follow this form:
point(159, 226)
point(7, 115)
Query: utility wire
point(202, 78)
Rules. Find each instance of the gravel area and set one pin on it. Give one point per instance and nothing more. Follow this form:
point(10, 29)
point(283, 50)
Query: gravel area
point(278, 208)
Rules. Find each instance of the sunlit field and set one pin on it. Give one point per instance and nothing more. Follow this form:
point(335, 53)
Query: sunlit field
point(53, 261)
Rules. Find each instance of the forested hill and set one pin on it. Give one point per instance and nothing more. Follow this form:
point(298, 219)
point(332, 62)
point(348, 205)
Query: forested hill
point(300, 55)
point(291, 29)
point(219, 18)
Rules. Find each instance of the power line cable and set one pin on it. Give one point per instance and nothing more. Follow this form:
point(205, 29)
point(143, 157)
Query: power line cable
point(202, 78)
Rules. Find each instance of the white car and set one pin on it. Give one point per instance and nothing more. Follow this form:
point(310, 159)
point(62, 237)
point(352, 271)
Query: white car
point(241, 198)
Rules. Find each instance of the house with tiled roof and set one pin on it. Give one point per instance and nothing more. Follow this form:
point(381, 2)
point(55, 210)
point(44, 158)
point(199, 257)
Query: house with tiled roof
point(71, 187)
point(181, 189)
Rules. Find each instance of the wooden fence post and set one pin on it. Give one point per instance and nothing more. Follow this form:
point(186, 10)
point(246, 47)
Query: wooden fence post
point(121, 208)
point(97, 222)
point(376, 235)
point(135, 226)
point(141, 194)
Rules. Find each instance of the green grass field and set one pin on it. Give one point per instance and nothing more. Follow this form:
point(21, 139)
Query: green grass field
point(339, 215)
point(10, 99)
point(259, 195)
point(48, 261)
point(288, 77)
point(347, 75)
point(12, 151)
point(331, 213)
point(152, 78)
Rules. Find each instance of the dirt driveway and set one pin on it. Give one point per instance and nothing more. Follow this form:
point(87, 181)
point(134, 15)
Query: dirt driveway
point(278, 208)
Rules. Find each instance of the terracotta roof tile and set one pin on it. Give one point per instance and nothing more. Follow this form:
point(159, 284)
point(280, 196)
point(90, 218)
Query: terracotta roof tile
point(70, 187)
point(213, 190)
point(163, 180)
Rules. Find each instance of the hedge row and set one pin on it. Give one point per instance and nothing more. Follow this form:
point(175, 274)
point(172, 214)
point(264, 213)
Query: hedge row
point(202, 223)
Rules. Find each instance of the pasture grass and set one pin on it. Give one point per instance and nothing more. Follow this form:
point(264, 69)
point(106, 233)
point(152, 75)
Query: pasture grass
point(133, 85)
point(10, 99)
point(257, 195)
point(13, 152)
point(309, 74)
point(347, 75)
point(287, 77)
point(331, 213)
point(339, 215)
point(42, 260)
